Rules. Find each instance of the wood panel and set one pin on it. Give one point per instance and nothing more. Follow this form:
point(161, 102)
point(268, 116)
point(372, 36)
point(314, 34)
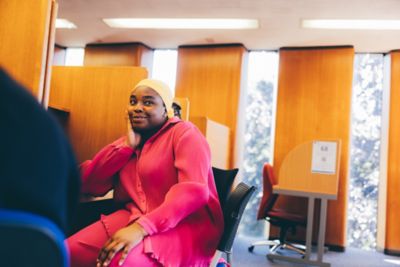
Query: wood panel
point(392, 243)
point(124, 54)
point(49, 53)
point(210, 77)
point(24, 38)
point(314, 97)
point(98, 98)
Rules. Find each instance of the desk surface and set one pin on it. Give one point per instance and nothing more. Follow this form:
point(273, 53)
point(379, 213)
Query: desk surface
point(296, 177)
point(302, 193)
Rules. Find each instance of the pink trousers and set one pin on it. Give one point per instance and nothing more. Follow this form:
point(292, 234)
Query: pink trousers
point(85, 245)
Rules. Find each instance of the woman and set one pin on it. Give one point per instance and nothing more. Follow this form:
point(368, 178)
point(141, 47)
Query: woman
point(162, 170)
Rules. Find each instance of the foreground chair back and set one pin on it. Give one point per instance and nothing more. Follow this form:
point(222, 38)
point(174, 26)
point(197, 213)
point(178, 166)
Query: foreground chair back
point(224, 181)
point(30, 240)
point(233, 203)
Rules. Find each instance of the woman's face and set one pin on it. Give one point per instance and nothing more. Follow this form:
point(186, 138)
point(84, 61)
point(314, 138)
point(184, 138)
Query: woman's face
point(146, 109)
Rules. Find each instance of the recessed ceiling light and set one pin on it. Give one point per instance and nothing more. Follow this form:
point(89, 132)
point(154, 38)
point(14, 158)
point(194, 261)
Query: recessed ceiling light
point(64, 24)
point(351, 24)
point(162, 23)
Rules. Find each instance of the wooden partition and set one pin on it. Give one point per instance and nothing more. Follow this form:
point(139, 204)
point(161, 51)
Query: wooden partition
point(314, 96)
point(392, 244)
point(218, 137)
point(94, 101)
point(210, 77)
point(119, 54)
point(24, 34)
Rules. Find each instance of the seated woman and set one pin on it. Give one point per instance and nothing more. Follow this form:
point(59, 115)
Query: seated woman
point(162, 170)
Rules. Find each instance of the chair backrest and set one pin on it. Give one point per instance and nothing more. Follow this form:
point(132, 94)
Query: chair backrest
point(233, 211)
point(224, 181)
point(30, 240)
point(268, 198)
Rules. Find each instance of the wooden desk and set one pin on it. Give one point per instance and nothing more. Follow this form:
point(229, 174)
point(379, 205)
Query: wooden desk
point(296, 178)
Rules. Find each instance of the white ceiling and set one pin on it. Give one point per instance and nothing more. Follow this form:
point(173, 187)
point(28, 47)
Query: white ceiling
point(279, 20)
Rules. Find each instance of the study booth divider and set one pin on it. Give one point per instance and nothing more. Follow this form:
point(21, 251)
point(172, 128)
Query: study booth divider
point(91, 103)
point(27, 39)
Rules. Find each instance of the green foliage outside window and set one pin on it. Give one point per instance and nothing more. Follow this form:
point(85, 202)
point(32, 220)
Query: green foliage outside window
point(365, 149)
point(259, 114)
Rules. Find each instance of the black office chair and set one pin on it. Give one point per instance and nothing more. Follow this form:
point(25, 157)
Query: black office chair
point(233, 203)
point(224, 181)
point(30, 240)
point(90, 212)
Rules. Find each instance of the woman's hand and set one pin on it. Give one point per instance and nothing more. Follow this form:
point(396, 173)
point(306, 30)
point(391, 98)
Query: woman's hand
point(123, 240)
point(132, 138)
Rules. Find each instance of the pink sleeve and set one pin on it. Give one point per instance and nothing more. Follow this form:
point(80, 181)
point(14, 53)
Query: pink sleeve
point(192, 160)
point(97, 174)
point(135, 212)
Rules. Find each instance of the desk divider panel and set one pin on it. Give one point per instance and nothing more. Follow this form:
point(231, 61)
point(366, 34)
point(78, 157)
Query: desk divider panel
point(119, 54)
point(25, 33)
point(218, 137)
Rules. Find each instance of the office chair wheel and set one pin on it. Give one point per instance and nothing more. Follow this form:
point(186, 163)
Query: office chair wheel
point(250, 249)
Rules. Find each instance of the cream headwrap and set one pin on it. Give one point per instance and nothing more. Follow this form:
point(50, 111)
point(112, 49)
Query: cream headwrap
point(163, 90)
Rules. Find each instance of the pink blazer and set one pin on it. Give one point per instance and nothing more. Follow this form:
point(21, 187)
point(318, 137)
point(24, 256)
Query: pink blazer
point(169, 189)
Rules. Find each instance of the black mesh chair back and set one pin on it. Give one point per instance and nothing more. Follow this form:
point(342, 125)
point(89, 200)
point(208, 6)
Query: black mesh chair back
point(224, 181)
point(233, 211)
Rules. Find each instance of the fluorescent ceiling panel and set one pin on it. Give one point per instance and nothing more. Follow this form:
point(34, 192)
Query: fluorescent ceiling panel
point(351, 24)
point(64, 24)
point(162, 23)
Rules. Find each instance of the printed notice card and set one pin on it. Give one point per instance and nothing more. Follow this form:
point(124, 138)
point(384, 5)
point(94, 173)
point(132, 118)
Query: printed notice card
point(324, 157)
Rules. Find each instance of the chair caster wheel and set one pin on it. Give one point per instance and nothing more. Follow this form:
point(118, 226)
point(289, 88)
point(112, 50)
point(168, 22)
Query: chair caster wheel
point(251, 248)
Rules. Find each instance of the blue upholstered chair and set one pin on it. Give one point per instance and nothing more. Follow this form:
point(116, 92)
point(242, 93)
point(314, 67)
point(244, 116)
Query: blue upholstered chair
point(30, 240)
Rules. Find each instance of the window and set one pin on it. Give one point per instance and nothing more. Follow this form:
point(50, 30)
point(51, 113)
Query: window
point(74, 56)
point(260, 119)
point(365, 147)
point(164, 67)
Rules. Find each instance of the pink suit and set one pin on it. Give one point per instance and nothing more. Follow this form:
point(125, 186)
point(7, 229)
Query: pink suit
point(170, 191)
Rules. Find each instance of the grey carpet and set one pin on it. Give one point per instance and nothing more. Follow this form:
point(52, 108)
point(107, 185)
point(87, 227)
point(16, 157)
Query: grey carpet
point(352, 257)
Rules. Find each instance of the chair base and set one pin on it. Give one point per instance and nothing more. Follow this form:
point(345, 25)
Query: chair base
point(276, 244)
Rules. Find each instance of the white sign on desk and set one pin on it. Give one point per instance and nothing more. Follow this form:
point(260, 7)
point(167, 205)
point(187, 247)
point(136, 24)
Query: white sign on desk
point(324, 157)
